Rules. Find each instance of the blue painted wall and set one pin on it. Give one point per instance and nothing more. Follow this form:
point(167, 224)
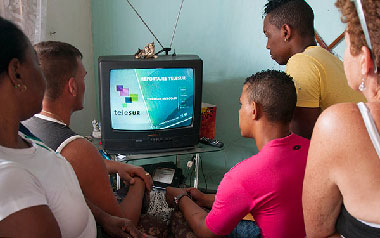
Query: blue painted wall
point(227, 35)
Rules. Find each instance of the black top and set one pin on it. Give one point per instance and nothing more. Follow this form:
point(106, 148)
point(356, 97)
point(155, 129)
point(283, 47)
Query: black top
point(350, 227)
point(53, 134)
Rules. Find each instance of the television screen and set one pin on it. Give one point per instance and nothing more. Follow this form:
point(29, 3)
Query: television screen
point(143, 99)
point(150, 105)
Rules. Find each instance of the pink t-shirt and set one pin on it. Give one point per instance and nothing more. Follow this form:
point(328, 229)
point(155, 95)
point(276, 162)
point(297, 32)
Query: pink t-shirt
point(269, 186)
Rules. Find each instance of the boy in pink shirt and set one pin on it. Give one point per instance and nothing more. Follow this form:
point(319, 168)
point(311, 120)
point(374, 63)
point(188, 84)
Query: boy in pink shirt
point(267, 185)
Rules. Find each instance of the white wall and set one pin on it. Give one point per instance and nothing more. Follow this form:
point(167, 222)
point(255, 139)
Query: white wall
point(71, 22)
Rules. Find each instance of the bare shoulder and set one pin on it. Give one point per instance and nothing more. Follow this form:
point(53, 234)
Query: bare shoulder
point(80, 149)
point(335, 133)
point(87, 163)
point(337, 120)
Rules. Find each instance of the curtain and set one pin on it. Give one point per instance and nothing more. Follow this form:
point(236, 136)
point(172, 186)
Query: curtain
point(30, 15)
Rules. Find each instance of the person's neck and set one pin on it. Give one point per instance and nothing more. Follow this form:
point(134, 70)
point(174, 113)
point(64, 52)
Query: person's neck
point(9, 133)
point(372, 89)
point(11, 113)
point(301, 45)
point(268, 131)
point(57, 111)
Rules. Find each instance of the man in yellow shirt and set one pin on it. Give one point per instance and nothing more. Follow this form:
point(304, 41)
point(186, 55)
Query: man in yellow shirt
point(318, 75)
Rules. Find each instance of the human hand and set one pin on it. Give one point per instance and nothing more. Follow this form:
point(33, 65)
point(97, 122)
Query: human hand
point(171, 193)
point(197, 196)
point(128, 171)
point(120, 227)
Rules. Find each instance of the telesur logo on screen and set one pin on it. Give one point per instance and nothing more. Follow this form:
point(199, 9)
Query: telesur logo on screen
point(128, 99)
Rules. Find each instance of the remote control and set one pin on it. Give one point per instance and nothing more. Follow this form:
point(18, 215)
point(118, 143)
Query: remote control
point(212, 142)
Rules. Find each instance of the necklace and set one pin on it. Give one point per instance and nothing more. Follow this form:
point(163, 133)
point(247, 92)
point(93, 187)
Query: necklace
point(54, 116)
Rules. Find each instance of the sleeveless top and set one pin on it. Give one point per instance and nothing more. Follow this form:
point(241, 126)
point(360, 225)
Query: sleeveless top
point(371, 127)
point(55, 134)
point(350, 227)
point(347, 225)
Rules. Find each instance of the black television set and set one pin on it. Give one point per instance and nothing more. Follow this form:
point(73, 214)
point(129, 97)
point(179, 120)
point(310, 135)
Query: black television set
point(150, 105)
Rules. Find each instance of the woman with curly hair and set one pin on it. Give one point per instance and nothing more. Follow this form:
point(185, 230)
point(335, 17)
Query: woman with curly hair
point(341, 192)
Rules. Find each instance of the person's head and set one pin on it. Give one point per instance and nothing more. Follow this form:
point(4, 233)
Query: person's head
point(268, 95)
point(358, 58)
point(287, 22)
point(63, 69)
point(20, 73)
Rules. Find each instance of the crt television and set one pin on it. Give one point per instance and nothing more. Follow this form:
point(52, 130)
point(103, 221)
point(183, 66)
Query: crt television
point(150, 105)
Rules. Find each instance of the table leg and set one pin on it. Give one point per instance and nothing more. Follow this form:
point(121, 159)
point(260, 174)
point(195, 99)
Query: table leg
point(117, 181)
point(197, 158)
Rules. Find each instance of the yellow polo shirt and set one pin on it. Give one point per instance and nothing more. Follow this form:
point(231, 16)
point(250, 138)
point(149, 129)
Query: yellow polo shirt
point(319, 79)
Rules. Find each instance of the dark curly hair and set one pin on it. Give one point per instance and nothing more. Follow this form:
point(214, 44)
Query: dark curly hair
point(296, 13)
point(371, 10)
point(275, 92)
point(13, 44)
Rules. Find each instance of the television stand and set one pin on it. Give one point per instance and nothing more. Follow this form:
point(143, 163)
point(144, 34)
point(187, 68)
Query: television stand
point(132, 155)
point(196, 150)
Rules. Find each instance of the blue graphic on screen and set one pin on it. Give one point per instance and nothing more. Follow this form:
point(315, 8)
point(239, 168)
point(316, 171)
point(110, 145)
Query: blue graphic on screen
point(146, 99)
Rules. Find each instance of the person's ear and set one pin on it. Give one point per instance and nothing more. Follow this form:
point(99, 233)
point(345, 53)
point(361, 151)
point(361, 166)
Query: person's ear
point(366, 61)
point(14, 68)
point(286, 32)
point(73, 87)
point(254, 110)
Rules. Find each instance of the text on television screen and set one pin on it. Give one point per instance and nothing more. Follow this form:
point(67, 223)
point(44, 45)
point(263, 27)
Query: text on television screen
point(147, 99)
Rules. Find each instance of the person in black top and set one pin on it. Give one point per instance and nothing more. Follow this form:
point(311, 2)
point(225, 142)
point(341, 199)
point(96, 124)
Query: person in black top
point(341, 191)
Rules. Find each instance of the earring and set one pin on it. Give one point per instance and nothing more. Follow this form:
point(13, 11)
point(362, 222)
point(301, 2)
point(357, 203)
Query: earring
point(285, 39)
point(362, 85)
point(23, 88)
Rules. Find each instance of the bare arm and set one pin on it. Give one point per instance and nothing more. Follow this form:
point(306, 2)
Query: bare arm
point(93, 178)
point(132, 203)
point(194, 214)
point(128, 171)
point(303, 121)
point(203, 200)
point(92, 175)
point(32, 222)
point(113, 225)
point(321, 197)
point(195, 217)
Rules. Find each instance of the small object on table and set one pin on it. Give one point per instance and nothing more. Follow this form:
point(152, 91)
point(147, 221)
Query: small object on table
point(212, 142)
point(164, 175)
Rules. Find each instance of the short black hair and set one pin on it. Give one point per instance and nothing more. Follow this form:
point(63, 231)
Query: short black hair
point(275, 91)
point(296, 13)
point(13, 44)
point(58, 63)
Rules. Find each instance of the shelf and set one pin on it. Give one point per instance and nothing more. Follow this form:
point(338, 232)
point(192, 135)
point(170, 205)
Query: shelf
point(198, 149)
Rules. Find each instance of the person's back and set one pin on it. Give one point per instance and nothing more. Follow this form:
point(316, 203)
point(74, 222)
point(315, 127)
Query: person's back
point(271, 183)
point(289, 28)
point(57, 182)
point(267, 185)
point(55, 134)
point(347, 173)
point(330, 88)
